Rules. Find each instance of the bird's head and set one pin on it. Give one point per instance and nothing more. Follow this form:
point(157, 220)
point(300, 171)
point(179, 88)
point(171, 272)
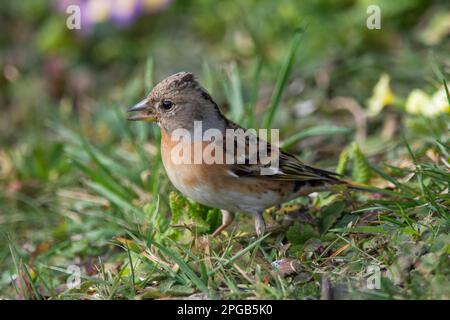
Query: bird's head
point(176, 102)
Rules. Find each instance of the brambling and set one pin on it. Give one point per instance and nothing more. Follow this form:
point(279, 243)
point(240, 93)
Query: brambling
point(178, 102)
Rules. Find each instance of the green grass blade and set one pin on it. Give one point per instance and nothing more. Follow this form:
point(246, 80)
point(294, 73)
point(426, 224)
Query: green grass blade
point(133, 278)
point(114, 198)
point(446, 90)
point(283, 76)
point(314, 131)
point(183, 266)
point(233, 92)
point(149, 71)
point(240, 254)
point(361, 229)
point(250, 108)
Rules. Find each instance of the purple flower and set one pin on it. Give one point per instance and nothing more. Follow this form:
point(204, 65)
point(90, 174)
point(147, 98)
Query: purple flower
point(124, 12)
point(120, 12)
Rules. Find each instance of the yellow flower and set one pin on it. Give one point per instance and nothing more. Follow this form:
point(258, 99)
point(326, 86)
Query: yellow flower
point(99, 10)
point(381, 97)
point(418, 102)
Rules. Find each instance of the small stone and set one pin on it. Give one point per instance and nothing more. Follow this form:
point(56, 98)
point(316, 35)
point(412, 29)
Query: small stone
point(287, 267)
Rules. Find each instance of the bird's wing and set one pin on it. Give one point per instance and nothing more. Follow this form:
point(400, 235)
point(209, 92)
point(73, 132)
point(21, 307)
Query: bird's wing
point(287, 168)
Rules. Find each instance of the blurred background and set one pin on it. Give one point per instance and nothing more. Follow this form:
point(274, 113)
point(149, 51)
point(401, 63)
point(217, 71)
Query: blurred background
point(63, 96)
point(46, 67)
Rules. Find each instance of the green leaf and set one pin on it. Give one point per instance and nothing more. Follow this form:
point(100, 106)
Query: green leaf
point(343, 161)
point(330, 214)
point(300, 233)
point(361, 171)
point(176, 203)
point(206, 219)
point(198, 212)
point(213, 219)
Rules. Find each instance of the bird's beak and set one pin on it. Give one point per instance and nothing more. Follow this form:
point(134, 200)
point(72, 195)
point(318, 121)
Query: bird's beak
point(147, 112)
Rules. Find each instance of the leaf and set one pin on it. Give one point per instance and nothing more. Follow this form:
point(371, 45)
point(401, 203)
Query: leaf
point(361, 171)
point(213, 219)
point(346, 220)
point(176, 203)
point(330, 215)
point(300, 233)
point(343, 161)
point(198, 212)
point(206, 219)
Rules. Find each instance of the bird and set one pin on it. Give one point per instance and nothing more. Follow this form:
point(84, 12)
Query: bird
point(177, 104)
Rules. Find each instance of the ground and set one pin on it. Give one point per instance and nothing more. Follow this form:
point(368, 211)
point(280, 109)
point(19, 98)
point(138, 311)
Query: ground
point(87, 211)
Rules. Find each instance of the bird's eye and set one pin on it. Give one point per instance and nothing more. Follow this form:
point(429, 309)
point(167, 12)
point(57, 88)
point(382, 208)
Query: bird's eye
point(166, 104)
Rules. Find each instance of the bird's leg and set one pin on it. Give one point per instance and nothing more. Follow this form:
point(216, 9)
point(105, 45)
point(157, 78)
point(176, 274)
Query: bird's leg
point(227, 219)
point(260, 225)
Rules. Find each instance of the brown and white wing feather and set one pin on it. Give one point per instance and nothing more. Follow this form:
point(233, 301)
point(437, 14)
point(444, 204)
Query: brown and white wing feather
point(289, 167)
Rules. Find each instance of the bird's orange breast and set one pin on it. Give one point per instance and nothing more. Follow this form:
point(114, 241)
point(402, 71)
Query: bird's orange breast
point(183, 168)
point(215, 184)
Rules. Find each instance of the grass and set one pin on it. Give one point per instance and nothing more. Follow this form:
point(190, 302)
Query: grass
point(97, 198)
point(282, 79)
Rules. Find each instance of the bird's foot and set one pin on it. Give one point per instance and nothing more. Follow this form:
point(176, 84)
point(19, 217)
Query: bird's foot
point(260, 225)
point(227, 219)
